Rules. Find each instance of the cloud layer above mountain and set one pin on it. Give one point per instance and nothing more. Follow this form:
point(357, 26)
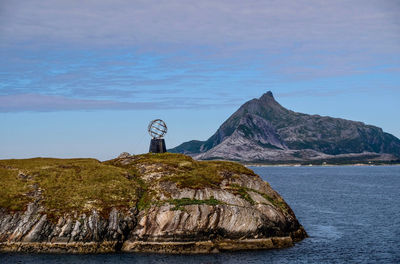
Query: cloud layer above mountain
point(241, 24)
point(142, 51)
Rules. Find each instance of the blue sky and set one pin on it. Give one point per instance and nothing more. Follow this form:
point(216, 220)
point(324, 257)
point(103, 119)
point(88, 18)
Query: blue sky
point(84, 78)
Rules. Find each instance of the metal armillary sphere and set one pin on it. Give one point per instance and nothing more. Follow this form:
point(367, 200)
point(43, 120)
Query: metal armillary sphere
point(157, 128)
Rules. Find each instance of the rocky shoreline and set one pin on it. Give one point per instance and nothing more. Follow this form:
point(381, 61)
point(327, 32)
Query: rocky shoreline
point(194, 247)
point(236, 210)
point(30, 232)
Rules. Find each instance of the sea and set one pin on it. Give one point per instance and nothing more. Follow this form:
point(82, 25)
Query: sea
point(351, 213)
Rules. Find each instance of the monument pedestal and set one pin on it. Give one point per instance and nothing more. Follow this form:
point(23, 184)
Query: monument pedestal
point(157, 145)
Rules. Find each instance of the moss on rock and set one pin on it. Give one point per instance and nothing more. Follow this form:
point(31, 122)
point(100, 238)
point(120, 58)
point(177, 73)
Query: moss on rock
point(81, 185)
point(66, 185)
point(132, 202)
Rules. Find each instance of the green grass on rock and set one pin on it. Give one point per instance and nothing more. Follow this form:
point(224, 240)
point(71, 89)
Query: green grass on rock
point(81, 185)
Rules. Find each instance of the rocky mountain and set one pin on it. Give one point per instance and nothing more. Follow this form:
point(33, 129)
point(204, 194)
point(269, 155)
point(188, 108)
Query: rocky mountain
point(262, 130)
point(165, 203)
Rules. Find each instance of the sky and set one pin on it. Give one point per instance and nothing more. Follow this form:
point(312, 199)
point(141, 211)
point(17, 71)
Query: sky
point(84, 78)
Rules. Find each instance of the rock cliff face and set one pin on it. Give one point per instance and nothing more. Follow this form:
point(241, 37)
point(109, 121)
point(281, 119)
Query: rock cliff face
point(179, 206)
point(262, 130)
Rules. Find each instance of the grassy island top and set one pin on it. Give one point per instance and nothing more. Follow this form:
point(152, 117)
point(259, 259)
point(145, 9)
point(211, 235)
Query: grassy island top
point(80, 185)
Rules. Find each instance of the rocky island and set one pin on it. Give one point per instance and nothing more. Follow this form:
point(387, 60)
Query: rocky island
point(166, 203)
point(262, 131)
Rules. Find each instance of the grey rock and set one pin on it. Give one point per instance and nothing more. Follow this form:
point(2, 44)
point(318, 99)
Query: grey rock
point(34, 226)
point(214, 214)
point(124, 155)
point(261, 130)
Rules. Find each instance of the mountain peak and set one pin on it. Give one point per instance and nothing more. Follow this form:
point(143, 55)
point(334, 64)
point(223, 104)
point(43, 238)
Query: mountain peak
point(264, 124)
point(267, 94)
point(267, 101)
point(267, 97)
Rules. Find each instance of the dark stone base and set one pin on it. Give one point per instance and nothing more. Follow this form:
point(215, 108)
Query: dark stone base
point(157, 145)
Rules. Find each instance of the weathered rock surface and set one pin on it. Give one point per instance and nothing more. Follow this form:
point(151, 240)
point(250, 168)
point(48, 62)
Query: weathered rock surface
point(240, 212)
point(261, 130)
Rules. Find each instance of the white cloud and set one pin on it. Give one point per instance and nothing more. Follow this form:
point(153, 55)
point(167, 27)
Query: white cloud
point(51, 103)
point(198, 47)
point(271, 24)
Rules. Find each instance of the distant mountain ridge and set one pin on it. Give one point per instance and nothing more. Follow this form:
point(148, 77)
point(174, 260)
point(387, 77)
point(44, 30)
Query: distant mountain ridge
point(262, 130)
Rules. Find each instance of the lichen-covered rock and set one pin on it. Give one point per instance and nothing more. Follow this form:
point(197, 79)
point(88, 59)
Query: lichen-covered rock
point(180, 206)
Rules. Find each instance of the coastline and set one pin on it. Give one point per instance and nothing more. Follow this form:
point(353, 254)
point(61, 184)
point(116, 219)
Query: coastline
point(170, 247)
point(160, 203)
point(320, 165)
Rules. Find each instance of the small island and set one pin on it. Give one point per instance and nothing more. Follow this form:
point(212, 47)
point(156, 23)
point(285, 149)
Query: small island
point(164, 203)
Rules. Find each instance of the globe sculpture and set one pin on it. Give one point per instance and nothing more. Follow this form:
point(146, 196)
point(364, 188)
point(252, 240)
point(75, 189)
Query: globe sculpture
point(157, 129)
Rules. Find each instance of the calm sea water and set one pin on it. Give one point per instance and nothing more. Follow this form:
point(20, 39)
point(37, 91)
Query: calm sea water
point(352, 215)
